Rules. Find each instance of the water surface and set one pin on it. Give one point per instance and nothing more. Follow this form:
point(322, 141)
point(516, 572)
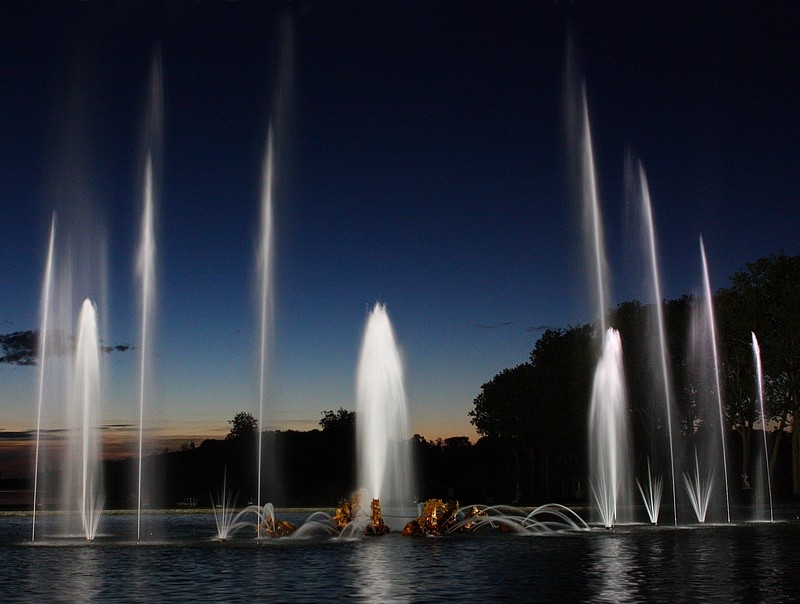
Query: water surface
point(754, 562)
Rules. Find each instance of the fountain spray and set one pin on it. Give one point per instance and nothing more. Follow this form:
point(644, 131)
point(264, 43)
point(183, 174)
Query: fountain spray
point(711, 322)
point(146, 259)
point(45, 311)
point(265, 260)
point(760, 383)
point(662, 339)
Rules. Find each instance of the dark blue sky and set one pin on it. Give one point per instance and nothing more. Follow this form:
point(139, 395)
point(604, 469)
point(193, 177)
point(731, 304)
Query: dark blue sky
point(422, 164)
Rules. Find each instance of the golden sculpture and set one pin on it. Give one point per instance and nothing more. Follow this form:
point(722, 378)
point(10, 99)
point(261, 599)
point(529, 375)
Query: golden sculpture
point(276, 528)
point(437, 518)
point(349, 510)
point(377, 527)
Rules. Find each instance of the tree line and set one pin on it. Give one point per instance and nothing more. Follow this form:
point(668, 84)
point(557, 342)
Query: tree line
point(539, 408)
point(314, 468)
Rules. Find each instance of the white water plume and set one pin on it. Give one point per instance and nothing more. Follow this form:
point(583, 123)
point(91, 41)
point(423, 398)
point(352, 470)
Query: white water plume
point(699, 490)
point(651, 496)
point(608, 430)
point(146, 262)
point(382, 424)
point(84, 408)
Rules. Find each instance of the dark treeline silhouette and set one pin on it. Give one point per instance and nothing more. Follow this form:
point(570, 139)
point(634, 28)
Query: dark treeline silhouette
point(316, 468)
point(540, 408)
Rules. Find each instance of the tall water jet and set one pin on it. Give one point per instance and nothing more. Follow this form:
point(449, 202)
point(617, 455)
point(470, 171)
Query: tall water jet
point(43, 332)
point(647, 214)
point(145, 264)
point(718, 383)
point(760, 387)
point(382, 425)
point(609, 440)
point(265, 260)
point(608, 421)
point(145, 267)
point(84, 483)
point(272, 170)
point(583, 179)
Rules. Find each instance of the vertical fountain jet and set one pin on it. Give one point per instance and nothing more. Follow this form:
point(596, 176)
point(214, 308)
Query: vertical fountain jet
point(145, 261)
point(85, 408)
point(272, 172)
point(608, 429)
point(583, 177)
point(265, 261)
point(43, 333)
point(608, 421)
point(647, 211)
point(717, 381)
point(592, 219)
point(760, 385)
point(382, 424)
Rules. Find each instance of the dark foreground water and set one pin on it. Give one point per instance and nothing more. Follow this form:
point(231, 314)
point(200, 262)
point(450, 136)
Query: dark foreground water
point(746, 563)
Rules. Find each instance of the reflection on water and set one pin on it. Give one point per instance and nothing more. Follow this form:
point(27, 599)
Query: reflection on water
point(728, 563)
point(613, 564)
point(380, 573)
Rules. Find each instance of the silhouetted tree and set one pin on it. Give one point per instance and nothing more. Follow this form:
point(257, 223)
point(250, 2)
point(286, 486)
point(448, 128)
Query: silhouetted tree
point(243, 425)
point(765, 298)
point(338, 420)
point(540, 409)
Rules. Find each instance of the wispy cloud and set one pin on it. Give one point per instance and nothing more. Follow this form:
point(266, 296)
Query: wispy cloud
point(494, 325)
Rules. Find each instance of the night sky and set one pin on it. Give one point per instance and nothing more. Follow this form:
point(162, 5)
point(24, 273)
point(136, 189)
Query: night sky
point(422, 163)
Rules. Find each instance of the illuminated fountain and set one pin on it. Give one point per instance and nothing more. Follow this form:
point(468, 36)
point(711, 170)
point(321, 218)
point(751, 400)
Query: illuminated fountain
point(438, 518)
point(382, 426)
point(610, 476)
point(609, 453)
point(229, 521)
point(68, 461)
point(763, 475)
point(145, 263)
point(699, 489)
point(651, 494)
point(82, 485)
point(711, 458)
point(45, 330)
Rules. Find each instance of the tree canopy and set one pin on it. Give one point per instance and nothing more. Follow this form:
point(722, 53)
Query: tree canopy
point(338, 420)
point(243, 425)
point(540, 408)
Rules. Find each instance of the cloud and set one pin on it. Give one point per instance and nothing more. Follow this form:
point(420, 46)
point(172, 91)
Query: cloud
point(21, 435)
point(118, 348)
point(495, 325)
point(22, 347)
point(19, 348)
